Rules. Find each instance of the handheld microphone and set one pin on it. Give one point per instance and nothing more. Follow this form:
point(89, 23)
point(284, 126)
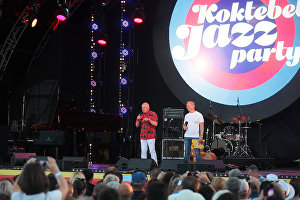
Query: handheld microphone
point(186, 123)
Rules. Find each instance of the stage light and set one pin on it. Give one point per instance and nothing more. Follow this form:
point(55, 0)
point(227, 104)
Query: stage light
point(93, 83)
point(62, 12)
point(123, 110)
point(123, 81)
point(34, 22)
point(125, 23)
point(138, 17)
point(101, 39)
point(95, 26)
point(93, 110)
point(125, 52)
point(94, 55)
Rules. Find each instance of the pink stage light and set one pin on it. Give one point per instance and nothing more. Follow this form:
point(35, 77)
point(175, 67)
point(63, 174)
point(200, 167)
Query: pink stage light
point(61, 18)
point(138, 20)
point(102, 42)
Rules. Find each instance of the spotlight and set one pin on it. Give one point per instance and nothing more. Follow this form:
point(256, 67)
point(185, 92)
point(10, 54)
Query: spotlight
point(95, 26)
point(62, 12)
point(123, 81)
point(93, 110)
point(94, 55)
point(34, 22)
point(123, 110)
point(138, 17)
point(125, 52)
point(125, 23)
point(101, 39)
point(93, 83)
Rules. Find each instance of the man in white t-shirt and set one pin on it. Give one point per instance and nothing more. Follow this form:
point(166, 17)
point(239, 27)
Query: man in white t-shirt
point(194, 129)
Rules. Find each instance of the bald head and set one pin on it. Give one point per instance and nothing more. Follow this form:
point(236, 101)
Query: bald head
point(190, 106)
point(126, 191)
point(145, 107)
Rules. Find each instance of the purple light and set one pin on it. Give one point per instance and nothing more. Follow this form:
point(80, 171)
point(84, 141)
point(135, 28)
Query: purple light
point(93, 83)
point(123, 110)
point(125, 52)
point(94, 26)
point(61, 18)
point(94, 54)
point(123, 81)
point(93, 110)
point(125, 23)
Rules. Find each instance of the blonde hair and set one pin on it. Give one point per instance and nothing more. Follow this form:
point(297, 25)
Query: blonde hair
point(218, 183)
point(6, 188)
point(76, 175)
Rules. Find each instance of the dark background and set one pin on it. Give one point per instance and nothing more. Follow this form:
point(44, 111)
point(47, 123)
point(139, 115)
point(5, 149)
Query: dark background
point(65, 63)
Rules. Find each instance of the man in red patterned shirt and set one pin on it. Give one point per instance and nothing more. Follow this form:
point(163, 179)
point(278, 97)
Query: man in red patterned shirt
point(147, 119)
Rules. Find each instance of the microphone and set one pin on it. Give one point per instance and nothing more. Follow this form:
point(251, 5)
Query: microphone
point(186, 123)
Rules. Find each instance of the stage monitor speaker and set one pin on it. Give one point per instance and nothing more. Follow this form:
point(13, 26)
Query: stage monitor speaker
point(19, 159)
point(69, 163)
point(218, 164)
point(122, 164)
point(182, 168)
point(170, 164)
point(146, 164)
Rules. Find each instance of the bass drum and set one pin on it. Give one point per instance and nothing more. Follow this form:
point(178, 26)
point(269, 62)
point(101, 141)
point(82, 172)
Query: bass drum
point(222, 147)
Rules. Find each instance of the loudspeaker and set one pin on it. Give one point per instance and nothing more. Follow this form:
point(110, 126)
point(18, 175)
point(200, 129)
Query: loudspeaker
point(182, 168)
point(19, 159)
point(218, 164)
point(173, 149)
point(146, 164)
point(122, 164)
point(170, 164)
point(69, 163)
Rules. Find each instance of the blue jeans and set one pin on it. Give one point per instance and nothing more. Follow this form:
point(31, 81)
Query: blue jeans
point(187, 150)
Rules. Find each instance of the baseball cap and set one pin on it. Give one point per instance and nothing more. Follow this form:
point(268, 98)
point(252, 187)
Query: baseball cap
point(186, 194)
point(272, 177)
point(289, 190)
point(139, 178)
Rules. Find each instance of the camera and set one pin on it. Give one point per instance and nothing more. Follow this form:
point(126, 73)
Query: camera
point(43, 163)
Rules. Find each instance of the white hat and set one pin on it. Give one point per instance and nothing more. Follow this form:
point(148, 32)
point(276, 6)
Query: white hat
point(244, 185)
point(289, 190)
point(272, 177)
point(186, 195)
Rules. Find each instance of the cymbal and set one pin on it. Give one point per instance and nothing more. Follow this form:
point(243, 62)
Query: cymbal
point(239, 119)
point(214, 118)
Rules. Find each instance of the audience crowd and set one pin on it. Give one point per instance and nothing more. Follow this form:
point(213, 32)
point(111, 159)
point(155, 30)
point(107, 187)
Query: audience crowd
point(33, 183)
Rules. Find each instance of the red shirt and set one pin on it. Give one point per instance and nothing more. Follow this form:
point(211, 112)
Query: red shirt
point(147, 129)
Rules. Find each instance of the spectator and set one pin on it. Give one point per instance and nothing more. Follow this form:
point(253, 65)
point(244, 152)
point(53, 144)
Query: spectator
point(155, 172)
point(295, 182)
point(167, 177)
point(161, 176)
point(268, 189)
point(235, 173)
point(8, 179)
point(110, 177)
point(186, 195)
point(253, 171)
point(89, 175)
point(52, 182)
point(79, 187)
point(76, 175)
point(108, 193)
point(6, 189)
point(207, 191)
point(138, 182)
point(70, 191)
point(225, 195)
point(34, 184)
point(191, 183)
point(126, 191)
point(114, 184)
point(157, 191)
point(120, 176)
point(173, 185)
point(245, 190)
point(112, 168)
point(218, 183)
point(233, 184)
point(15, 178)
point(98, 189)
point(289, 191)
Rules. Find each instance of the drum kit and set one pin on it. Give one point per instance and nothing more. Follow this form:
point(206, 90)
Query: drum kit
point(232, 140)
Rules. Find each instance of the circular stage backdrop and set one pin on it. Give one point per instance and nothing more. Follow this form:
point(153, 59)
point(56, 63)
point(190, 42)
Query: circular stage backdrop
point(224, 53)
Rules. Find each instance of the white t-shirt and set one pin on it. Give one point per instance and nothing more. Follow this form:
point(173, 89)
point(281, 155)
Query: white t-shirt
point(52, 195)
point(193, 120)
